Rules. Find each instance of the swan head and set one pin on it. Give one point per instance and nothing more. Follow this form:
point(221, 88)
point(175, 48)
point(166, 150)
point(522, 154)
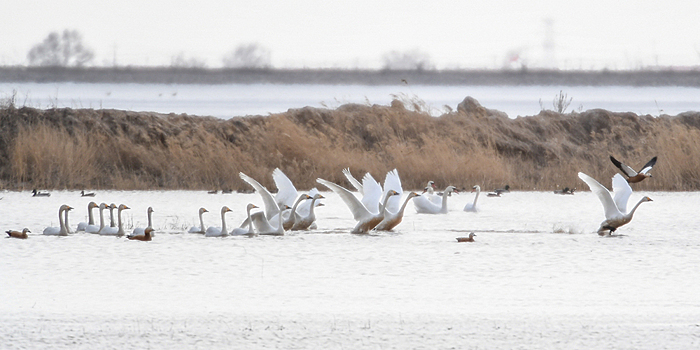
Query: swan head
point(225, 209)
point(391, 193)
point(646, 199)
point(250, 206)
point(285, 207)
point(65, 207)
point(202, 211)
point(113, 206)
point(476, 188)
point(413, 194)
point(318, 196)
point(92, 205)
point(450, 189)
point(103, 206)
point(121, 207)
point(150, 209)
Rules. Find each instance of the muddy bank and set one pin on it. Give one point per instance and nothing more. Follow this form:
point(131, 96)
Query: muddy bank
point(101, 149)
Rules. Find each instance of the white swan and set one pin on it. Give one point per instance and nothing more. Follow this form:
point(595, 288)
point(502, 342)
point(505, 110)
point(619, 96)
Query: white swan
point(140, 231)
point(471, 207)
point(293, 216)
point(370, 189)
point(219, 231)
point(273, 227)
point(250, 232)
point(146, 236)
point(429, 193)
point(91, 221)
point(200, 228)
point(61, 230)
point(95, 228)
point(366, 218)
point(392, 219)
point(271, 206)
point(119, 232)
point(615, 208)
point(304, 222)
point(425, 206)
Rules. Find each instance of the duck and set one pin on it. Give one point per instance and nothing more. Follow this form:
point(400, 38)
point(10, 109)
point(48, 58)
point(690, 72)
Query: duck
point(18, 234)
point(304, 222)
point(91, 221)
point(616, 214)
point(426, 206)
point(471, 207)
point(467, 239)
point(119, 232)
point(146, 236)
point(140, 231)
point(213, 191)
point(61, 230)
point(367, 218)
point(36, 193)
point(95, 228)
point(219, 231)
point(83, 194)
point(500, 191)
point(250, 232)
point(393, 219)
point(200, 228)
point(634, 176)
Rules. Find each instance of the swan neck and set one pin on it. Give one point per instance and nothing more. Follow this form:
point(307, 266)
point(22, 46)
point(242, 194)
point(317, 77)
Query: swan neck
point(444, 200)
point(201, 222)
point(403, 206)
point(91, 220)
point(149, 219)
point(102, 219)
point(223, 221)
point(119, 220)
point(476, 197)
point(631, 212)
point(250, 222)
point(61, 224)
point(111, 217)
point(383, 207)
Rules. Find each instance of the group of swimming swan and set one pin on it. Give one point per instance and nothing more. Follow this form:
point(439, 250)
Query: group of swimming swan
point(379, 208)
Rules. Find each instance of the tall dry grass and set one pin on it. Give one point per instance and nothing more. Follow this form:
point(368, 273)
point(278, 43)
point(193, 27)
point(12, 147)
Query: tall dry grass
point(66, 148)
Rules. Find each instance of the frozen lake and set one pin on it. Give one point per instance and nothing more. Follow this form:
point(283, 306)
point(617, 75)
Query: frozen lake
point(226, 101)
point(536, 278)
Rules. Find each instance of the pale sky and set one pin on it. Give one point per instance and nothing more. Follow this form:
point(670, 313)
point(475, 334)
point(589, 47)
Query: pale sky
point(320, 33)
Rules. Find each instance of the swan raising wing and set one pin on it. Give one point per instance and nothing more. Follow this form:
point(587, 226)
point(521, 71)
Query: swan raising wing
point(366, 218)
point(353, 181)
point(615, 208)
point(426, 206)
point(393, 182)
point(271, 206)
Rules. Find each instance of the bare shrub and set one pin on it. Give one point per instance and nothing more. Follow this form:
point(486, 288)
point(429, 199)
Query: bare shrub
point(61, 50)
point(560, 103)
point(251, 55)
point(181, 61)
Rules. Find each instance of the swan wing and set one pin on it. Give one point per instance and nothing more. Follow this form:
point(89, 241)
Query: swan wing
point(603, 194)
point(353, 181)
point(426, 206)
point(286, 192)
point(372, 193)
point(622, 192)
point(358, 209)
point(262, 224)
point(647, 167)
point(392, 181)
point(271, 207)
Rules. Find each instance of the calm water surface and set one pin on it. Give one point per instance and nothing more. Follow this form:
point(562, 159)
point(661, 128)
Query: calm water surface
point(537, 277)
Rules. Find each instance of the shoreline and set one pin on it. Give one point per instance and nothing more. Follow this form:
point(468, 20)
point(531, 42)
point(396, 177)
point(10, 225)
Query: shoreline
point(215, 76)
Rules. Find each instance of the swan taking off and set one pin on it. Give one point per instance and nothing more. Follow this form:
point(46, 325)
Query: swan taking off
point(426, 206)
point(471, 207)
point(633, 176)
point(366, 218)
point(615, 208)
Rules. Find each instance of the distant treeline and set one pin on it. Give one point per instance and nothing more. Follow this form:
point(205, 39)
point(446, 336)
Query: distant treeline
point(113, 149)
point(168, 75)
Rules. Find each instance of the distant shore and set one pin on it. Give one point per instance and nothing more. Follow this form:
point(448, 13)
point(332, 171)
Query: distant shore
point(168, 75)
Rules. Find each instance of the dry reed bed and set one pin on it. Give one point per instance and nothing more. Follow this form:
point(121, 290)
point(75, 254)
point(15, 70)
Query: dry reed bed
point(85, 148)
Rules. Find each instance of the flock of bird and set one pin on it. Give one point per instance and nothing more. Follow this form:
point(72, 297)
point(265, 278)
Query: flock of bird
point(379, 208)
